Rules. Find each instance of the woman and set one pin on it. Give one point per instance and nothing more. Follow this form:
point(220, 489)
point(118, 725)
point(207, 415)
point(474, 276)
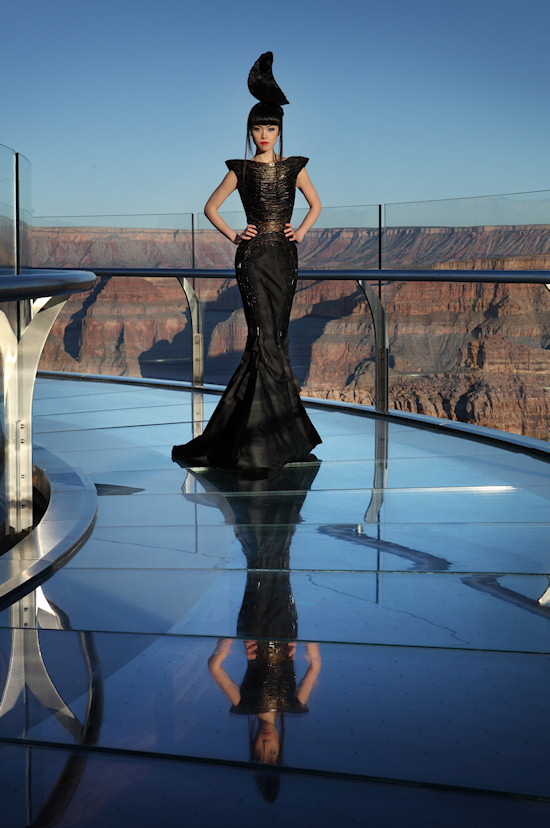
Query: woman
point(260, 423)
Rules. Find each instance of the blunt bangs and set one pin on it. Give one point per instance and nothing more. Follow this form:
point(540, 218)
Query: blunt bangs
point(265, 114)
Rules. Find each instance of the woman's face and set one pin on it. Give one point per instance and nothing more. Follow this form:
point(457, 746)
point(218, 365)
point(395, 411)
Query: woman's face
point(266, 745)
point(265, 136)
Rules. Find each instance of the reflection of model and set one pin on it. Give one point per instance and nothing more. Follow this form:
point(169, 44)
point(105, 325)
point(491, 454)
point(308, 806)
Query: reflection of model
point(268, 689)
point(264, 513)
point(260, 422)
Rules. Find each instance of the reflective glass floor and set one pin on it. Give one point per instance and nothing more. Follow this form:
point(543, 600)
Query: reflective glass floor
point(391, 602)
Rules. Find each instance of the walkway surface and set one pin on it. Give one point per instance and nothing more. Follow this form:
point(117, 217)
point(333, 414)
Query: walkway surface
point(408, 569)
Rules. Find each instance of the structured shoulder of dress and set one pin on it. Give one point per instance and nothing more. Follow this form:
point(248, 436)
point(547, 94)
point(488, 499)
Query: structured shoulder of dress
point(234, 164)
point(299, 162)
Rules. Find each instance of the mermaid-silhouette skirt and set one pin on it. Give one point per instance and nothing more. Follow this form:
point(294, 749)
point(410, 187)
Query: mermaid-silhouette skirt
point(260, 422)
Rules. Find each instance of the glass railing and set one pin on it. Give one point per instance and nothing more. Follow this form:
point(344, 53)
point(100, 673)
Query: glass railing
point(7, 209)
point(130, 241)
point(342, 237)
point(24, 202)
point(15, 211)
point(466, 232)
point(477, 353)
point(474, 352)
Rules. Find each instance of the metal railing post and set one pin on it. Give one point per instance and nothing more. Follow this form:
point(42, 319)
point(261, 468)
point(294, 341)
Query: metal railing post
point(381, 346)
point(20, 352)
point(197, 347)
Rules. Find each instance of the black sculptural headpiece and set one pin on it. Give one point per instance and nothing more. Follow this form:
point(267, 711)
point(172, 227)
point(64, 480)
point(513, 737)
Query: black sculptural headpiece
point(262, 84)
point(269, 110)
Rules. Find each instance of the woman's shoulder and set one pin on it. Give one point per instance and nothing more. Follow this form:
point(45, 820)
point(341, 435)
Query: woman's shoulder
point(234, 164)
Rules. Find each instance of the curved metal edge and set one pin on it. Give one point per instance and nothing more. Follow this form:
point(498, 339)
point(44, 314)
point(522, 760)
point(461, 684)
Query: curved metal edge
point(64, 528)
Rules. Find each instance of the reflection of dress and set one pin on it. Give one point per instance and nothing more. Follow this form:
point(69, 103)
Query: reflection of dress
point(264, 514)
point(260, 421)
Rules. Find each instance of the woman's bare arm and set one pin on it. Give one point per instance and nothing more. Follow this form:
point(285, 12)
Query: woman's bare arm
point(306, 685)
point(228, 185)
point(303, 182)
point(215, 662)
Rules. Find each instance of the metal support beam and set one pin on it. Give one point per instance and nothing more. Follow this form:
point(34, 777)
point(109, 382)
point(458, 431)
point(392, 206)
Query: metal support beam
point(195, 310)
point(381, 346)
point(20, 351)
point(26, 666)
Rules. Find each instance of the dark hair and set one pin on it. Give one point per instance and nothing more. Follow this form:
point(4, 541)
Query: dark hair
point(269, 785)
point(265, 114)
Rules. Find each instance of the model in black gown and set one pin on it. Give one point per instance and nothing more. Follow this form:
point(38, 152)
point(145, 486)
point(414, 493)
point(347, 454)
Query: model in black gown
point(260, 423)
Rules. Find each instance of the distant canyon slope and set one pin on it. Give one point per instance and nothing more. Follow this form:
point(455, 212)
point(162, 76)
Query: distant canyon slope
point(474, 353)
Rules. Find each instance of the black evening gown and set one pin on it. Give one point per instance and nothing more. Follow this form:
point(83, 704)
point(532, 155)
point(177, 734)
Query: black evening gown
point(260, 422)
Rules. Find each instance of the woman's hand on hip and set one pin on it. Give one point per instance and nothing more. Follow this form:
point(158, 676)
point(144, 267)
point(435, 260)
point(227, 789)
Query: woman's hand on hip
point(248, 233)
point(293, 235)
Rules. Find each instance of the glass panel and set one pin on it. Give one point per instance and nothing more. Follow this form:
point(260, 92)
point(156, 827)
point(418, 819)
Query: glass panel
point(7, 209)
point(474, 353)
point(342, 237)
point(139, 241)
point(7, 265)
point(25, 212)
point(125, 326)
point(505, 232)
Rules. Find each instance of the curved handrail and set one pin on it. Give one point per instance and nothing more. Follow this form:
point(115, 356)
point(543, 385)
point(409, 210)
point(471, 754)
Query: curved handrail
point(345, 274)
point(43, 282)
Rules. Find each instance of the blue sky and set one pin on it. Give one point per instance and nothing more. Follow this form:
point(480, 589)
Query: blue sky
point(126, 106)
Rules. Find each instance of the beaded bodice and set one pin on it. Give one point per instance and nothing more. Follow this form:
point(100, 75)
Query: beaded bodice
point(268, 190)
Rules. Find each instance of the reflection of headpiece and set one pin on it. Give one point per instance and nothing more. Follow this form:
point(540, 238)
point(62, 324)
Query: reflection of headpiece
point(262, 84)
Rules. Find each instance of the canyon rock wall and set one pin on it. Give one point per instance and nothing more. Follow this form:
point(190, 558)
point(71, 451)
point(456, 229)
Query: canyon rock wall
point(475, 353)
